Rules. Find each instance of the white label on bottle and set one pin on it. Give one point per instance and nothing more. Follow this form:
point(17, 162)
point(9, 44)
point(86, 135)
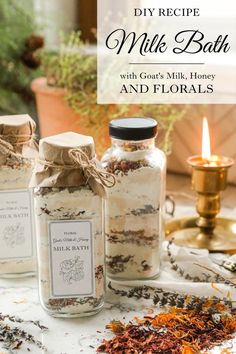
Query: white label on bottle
point(71, 258)
point(16, 228)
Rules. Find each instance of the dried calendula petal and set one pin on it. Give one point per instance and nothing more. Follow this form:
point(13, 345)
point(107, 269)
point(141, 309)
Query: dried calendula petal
point(116, 326)
point(187, 350)
point(178, 331)
point(226, 351)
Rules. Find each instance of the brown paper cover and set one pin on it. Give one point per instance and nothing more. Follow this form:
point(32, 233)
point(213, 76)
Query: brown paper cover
point(58, 165)
point(17, 137)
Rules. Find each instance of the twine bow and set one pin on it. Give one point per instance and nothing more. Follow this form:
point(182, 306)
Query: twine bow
point(76, 171)
point(90, 169)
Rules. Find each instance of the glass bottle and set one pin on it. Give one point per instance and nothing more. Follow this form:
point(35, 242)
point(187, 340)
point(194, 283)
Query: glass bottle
point(68, 204)
point(17, 159)
point(134, 207)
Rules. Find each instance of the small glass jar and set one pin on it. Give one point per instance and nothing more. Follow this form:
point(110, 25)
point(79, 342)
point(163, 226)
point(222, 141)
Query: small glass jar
point(134, 207)
point(17, 160)
point(69, 227)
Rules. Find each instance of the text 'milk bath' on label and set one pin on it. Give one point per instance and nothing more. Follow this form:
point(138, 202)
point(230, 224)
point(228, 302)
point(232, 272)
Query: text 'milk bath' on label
point(71, 258)
point(16, 225)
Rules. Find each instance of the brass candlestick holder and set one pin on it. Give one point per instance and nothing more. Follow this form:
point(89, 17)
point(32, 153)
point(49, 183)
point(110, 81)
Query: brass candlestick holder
point(209, 178)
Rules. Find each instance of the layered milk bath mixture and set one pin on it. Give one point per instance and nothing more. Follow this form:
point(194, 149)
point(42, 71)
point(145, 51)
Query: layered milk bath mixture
point(17, 160)
point(134, 208)
point(68, 203)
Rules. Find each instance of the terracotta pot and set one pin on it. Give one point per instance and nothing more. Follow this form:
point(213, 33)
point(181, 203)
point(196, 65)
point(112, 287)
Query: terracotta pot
point(55, 116)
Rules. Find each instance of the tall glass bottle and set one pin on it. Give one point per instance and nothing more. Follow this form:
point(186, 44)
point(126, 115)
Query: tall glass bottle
point(17, 159)
point(134, 207)
point(68, 202)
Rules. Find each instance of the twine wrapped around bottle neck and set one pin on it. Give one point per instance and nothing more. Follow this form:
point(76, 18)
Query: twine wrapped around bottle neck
point(9, 138)
point(68, 160)
point(8, 149)
point(91, 170)
point(5, 147)
point(16, 133)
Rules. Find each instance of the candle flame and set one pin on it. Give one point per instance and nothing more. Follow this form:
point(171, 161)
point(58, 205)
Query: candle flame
point(206, 143)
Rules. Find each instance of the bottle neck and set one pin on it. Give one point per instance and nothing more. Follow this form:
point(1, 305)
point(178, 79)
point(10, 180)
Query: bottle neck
point(131, 145)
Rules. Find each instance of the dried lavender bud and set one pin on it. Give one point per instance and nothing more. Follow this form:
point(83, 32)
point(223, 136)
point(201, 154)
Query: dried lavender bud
point(14, 337)
point(217, 278)
point(20, 320)
point(162, 298)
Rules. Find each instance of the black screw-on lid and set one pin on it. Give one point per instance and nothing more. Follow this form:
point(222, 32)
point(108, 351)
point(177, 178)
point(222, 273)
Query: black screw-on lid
point(133, 128)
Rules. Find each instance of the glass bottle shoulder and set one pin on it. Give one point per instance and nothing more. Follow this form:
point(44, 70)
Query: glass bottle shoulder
point(117, 155)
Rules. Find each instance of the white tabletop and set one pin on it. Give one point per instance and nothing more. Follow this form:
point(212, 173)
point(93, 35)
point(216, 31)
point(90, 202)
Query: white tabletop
point(65, 336)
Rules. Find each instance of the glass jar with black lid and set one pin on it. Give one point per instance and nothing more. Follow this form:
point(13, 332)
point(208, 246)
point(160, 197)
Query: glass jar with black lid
point(134, 207)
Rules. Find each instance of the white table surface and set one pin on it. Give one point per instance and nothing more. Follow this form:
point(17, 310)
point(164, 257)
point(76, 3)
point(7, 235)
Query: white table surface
point(65, 336)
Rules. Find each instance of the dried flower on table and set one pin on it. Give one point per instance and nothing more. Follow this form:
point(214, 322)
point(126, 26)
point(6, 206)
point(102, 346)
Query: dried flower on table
point(14, 337)
point(218, 277)
point(206, 277)
point(178, 331)
point(160, 297)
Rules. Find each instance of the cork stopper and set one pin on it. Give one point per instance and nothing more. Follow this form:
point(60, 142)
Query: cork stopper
point(17, 129)
point(55, 149)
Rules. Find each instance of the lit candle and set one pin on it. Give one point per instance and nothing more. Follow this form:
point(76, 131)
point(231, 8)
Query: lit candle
point(209, 179)
point(208, 159)
point(206, 143)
